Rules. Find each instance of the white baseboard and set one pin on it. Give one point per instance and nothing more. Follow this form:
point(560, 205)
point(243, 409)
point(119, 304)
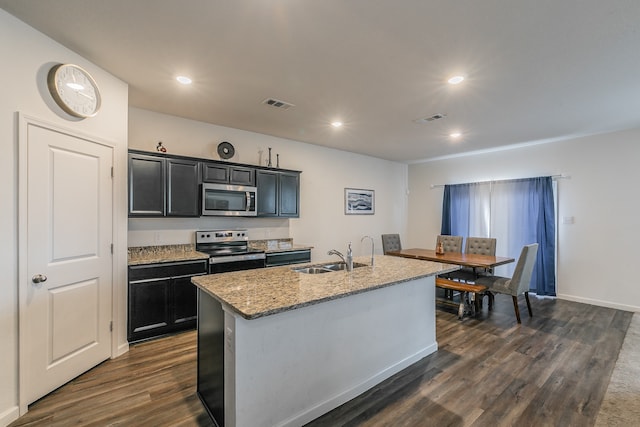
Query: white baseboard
point(9, 416)
point(600, 303)
point(358, 389)
point(122, 349)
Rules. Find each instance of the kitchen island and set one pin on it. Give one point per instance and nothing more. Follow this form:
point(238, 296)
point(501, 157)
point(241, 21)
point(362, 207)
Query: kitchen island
point(280, 348)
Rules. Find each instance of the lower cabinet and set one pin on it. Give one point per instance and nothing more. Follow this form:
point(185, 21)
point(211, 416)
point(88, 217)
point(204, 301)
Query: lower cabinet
point(288, 257)
point(162, 298)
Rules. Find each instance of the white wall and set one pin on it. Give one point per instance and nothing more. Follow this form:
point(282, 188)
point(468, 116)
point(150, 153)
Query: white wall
point(596, 254)
point(27, 56)
point(325, 174)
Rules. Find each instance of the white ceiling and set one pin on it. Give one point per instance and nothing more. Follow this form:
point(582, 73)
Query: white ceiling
point(538, 70)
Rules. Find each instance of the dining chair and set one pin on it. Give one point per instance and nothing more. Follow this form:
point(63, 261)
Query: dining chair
point(478, 246)
point(450, 243)
point(517, 284)
point(391, 242)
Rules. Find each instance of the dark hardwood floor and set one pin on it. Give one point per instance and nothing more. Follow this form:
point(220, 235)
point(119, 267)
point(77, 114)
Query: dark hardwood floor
point(552, 370)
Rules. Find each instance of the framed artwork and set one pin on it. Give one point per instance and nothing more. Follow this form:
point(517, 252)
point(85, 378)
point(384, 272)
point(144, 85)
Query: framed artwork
point(359, 202)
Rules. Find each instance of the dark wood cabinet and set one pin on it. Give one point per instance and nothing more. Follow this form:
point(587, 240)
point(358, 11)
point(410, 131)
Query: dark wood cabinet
point(163, 186)
point(183, 198)
point(162, 298)
point(227, 174)
point(288, 257)
point(278, 193)
point(146, 185)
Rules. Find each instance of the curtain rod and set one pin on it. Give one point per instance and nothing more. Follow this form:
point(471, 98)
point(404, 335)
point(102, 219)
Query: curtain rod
point(560, 176)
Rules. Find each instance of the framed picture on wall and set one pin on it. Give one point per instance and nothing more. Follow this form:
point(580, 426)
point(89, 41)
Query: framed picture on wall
point(359, 202)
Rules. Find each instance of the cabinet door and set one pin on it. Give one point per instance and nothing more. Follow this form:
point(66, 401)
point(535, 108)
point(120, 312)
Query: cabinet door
point(267, 183)
point(182, 188)
point(146, 185)
point(289, 200)
point(212, 172)
point(241, 176)
point(148, 308)
point(185, 304)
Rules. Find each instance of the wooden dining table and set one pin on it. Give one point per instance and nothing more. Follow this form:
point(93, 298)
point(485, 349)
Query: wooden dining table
point(458, 258)
point(466, 260)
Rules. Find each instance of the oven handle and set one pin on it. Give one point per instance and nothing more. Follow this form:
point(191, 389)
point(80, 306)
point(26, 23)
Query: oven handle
point(235, 258)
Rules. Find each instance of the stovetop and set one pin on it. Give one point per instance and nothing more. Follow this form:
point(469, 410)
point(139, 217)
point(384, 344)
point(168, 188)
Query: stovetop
point(224, 242)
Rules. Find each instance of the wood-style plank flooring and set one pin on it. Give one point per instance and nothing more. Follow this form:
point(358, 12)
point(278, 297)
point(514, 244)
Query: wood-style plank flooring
point(552, 370)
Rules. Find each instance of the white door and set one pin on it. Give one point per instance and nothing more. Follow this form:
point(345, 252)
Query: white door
point(66, 306)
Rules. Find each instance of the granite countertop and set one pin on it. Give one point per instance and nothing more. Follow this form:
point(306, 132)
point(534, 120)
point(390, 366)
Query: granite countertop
point(277, 245)
point(262, 292)
point(158, 254)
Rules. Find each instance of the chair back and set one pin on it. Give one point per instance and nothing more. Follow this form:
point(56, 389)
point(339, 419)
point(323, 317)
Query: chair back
point(480, 246)
point(524, 269)
point(450, 243)
point(391, 242)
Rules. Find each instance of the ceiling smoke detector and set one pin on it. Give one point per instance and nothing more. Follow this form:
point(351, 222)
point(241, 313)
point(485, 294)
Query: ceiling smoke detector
point(278, 104)
point(430, 119)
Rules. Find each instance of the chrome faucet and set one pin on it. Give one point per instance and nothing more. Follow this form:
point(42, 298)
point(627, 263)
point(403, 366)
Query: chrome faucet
point(372, 247)
point(348, 260)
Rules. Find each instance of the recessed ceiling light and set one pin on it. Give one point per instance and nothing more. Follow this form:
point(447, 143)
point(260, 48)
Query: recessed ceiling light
point(455, 135)
point(455, 80)
point(336, 124)
point(184, 80)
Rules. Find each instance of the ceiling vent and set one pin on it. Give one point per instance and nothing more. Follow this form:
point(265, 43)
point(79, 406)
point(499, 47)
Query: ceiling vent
point(276, 103)
point(430, 119)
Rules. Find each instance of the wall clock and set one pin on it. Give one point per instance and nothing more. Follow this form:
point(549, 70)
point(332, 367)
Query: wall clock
point(74, 90)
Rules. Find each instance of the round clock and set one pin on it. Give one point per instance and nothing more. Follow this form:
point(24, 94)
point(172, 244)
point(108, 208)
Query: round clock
point(74, 90)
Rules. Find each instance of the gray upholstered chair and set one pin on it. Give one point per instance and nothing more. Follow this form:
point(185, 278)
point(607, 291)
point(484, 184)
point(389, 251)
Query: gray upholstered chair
point(450, 243)
point(479, 246)
point(518, 283)
point(391, 242)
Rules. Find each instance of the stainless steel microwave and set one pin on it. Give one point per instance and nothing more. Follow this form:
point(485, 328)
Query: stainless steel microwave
point(228, 200)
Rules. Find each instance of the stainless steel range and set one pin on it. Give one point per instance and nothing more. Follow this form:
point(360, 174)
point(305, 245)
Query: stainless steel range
point(228, 250)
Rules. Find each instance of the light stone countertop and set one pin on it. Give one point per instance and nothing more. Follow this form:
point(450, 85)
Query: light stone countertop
point(262, 292)
point(168, 253)
point(277, 245)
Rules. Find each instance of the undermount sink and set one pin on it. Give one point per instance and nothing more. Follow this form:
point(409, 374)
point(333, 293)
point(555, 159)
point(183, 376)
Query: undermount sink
point(312, 270)
point(339, 266)
point(326, 268)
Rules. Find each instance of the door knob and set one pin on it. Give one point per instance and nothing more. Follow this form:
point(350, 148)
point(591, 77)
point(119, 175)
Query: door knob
point(39, 278)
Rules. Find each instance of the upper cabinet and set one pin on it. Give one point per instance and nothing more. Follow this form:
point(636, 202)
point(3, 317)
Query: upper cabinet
point(228, 174)
point(146, 185)
point(168, 185)
point(278, 193)
point(183, 197)
point(163, 186)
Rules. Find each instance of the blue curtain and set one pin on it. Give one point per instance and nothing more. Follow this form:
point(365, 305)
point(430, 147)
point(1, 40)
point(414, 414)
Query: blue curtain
point(456, 208)
point(521, 212)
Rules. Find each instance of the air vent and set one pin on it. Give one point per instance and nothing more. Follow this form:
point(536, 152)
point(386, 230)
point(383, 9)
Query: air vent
point(276, 103)
point(430, 119)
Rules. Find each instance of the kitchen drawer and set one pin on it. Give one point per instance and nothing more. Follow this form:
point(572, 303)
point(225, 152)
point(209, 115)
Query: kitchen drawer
point(288, 257)
point(167, 270)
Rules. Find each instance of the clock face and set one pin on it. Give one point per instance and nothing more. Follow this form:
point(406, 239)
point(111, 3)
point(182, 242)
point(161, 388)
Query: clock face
point(74, 90)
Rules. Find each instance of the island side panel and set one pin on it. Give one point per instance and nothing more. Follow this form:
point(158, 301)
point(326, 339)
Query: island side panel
point(210, 367)
point(289, 368)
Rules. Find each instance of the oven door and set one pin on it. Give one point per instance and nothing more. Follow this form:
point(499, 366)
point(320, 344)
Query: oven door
point(228, 200)
point(225, 264)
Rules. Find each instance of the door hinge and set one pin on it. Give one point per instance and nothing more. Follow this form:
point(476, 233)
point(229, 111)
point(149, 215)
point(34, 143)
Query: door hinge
point(111, 171)
point(111, 326)
point(112, 248)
